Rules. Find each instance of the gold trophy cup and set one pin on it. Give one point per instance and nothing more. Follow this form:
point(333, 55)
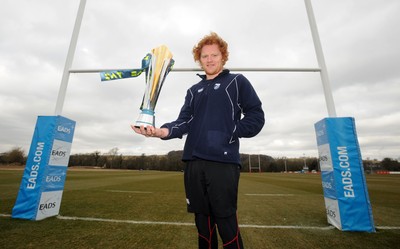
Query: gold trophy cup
point(160, 65)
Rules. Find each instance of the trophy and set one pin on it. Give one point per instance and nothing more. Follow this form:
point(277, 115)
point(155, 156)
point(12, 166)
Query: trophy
point(160, 63)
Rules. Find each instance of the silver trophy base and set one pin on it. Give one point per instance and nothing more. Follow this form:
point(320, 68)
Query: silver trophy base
point(146, 117)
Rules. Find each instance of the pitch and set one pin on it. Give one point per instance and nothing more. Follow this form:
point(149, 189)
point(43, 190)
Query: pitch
point(146, 209)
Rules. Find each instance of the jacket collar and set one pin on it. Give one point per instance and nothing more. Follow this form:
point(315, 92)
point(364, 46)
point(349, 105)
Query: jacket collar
point(204, 77)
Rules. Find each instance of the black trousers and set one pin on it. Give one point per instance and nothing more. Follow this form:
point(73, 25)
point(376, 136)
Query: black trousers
point(227, 228)
point(211, 193)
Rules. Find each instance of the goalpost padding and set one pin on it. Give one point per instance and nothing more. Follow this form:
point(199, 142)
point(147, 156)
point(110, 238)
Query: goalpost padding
point(43, 180)
point(347, 203)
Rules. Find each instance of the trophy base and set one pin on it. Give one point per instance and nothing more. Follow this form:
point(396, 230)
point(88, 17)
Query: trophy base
point(146, 117)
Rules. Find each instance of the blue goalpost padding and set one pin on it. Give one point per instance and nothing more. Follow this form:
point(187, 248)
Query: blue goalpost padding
point(43, 180)
point(347, 203)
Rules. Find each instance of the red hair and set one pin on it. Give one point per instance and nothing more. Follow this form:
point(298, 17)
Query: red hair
point(211, 39)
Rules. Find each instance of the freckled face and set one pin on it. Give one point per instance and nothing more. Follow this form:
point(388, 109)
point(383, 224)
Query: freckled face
point(211, 60)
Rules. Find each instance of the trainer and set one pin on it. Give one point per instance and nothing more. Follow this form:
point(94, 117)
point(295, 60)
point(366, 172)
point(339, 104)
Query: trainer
point(217, 111)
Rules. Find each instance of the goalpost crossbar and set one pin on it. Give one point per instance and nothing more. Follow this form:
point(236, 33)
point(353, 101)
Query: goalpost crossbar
point(244, 69)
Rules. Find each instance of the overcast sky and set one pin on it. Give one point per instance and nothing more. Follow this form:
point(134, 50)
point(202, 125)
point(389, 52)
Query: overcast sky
point(360, 41)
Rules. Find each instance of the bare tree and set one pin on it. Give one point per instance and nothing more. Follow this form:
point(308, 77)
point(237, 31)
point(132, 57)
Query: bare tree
point(14, 156)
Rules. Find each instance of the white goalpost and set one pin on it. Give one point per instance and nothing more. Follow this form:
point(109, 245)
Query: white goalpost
point(314, 31)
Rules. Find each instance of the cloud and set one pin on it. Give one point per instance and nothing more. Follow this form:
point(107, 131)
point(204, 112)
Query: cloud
point(359, 41)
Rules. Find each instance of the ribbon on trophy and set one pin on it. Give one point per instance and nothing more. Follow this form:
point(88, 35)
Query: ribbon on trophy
point(128, 73)
point(156, 65)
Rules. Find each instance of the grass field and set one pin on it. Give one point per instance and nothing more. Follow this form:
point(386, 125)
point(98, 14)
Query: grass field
point(146, 210)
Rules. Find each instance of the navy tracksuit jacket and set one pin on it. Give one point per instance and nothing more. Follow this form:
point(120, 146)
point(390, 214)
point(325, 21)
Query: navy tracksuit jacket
point(216, 113)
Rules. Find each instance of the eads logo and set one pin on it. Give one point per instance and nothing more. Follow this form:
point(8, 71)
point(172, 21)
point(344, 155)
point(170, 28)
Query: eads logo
point(48, 205)
point(59, 153)
point(54, 178)
point(63, 129)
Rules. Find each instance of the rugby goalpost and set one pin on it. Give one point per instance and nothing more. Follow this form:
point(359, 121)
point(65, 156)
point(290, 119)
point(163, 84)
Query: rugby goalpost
point(317, 45)
point(346, 197)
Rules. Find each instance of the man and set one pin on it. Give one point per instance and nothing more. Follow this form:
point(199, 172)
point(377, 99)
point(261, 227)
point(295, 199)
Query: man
point(211, 117)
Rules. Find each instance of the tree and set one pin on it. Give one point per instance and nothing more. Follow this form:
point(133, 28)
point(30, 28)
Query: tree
point(390, 164)
point(96, 157)
point(313, 165)
point(113, 153)
point(14, 156)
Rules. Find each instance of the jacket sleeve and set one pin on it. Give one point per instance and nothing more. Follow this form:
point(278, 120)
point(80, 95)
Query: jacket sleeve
point(180, 127)
point(253, 115)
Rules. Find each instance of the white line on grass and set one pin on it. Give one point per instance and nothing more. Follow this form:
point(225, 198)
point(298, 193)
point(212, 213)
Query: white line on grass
point(287, 227)
point(187, 224)
point(127, 221)
point(387, 228)
point(192, 224)
point(126, 191)
point(270, 194)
